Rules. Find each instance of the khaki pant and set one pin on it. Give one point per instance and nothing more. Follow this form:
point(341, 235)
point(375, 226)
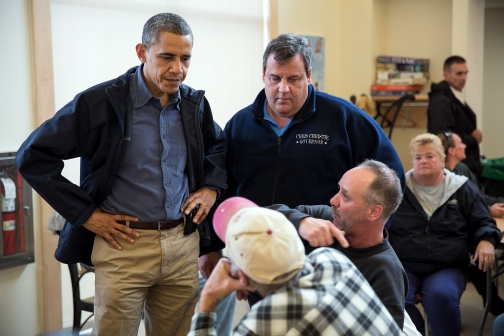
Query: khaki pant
point(158, 273)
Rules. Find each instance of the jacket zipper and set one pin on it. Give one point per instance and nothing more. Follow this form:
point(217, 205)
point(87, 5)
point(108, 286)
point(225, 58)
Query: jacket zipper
point(199, 139)
point(276, 174)
point(429, 247)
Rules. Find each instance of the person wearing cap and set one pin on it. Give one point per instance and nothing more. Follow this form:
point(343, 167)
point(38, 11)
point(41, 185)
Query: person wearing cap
point(368, 195)
point(322, 293)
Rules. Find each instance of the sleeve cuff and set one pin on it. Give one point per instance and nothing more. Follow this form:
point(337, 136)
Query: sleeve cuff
point(203, 323)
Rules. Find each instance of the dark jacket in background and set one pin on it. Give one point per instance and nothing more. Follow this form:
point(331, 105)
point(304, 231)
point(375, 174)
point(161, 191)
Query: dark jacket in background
point(426, 246)
point(447, 114)
point(325, 139)
point(462, 169)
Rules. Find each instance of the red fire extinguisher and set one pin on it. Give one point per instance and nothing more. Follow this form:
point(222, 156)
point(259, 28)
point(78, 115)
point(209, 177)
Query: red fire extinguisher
point(8, 190)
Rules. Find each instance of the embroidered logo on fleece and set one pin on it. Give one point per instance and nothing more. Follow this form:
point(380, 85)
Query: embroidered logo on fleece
point(453, 201)
point(312, 139)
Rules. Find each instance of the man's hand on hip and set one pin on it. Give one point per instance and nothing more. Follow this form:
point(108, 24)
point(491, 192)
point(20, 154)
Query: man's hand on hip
point(320, 232)
point(105, 225)
point(205, 197)
point(207, 263)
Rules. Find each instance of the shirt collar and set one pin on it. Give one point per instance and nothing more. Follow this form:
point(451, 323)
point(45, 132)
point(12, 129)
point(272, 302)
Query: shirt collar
point(458, 94)
point(141, 94)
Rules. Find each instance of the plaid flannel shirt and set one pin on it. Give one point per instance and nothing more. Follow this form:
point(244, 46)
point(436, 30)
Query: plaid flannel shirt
point(329, 296)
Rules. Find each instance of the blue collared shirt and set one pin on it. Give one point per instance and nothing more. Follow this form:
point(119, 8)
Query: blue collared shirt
point(272, 123)
point(151, 184)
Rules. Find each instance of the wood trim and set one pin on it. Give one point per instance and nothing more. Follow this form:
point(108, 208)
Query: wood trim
point(273, 19)
point(41, 44)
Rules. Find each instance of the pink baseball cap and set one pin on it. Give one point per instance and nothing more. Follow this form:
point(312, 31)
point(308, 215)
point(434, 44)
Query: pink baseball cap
point(261, 242)
point(226, 210)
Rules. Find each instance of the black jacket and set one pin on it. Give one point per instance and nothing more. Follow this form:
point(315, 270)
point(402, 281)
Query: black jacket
point(93, 127)
point(447, 114)
point(462, 169)
point(425, 246)
point(326, 138)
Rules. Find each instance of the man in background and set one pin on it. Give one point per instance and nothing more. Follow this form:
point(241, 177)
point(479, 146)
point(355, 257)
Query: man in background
point(449, 112)
point(319, 294)
point(150, 155)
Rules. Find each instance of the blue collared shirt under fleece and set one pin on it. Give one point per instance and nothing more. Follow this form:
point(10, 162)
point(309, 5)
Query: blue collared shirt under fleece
point(151, 184)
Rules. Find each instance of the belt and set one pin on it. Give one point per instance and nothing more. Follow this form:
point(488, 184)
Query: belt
point(159, 225)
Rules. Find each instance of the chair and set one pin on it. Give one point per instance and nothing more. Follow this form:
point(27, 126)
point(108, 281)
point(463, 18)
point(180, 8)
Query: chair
point(393, 112)
point(426, 320)
point(498, 270)
point(77, 271)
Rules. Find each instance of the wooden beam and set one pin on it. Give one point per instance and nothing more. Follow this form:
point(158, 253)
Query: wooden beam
point(40, 12)
point(273, 19)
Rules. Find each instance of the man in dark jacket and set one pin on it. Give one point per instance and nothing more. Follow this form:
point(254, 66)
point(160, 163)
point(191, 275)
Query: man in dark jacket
point(448, 111)
point(150, 154)
point(293, 143)
point(368, 195)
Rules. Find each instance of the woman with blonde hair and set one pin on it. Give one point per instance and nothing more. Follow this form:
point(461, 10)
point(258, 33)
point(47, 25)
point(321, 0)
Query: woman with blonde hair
point(441, 218)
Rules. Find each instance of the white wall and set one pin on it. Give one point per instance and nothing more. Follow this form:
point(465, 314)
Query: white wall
point(20, 297)
point(317, 18)
point(493, 74)
point(15, 88)
point(468, 37)
point(94, 41)
point(420, 29)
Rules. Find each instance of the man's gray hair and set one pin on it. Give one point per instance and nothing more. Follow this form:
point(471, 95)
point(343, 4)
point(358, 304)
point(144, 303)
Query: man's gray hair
point(286, 46)
point(164, 22)
point(385, 189)
point(266, 289)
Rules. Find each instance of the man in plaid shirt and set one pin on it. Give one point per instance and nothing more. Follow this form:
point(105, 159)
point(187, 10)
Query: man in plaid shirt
point(319, 294)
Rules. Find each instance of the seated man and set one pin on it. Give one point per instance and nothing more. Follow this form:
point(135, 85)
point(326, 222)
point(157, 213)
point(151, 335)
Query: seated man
point(319, 294)
point(368, 195)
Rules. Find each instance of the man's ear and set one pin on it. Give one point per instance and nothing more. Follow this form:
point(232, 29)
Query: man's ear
point(141, 50)
point(445, 75)
point(244, 279)
point(374, 212)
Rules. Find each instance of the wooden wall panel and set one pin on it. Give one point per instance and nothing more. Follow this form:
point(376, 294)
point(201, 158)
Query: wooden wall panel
point(40, 15)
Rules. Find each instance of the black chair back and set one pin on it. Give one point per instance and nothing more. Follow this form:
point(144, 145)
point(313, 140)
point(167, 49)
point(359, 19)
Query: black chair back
point(390, 116)
point(77, 272)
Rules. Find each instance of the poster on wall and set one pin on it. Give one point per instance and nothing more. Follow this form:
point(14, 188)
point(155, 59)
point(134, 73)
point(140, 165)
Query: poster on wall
point(317, 44)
